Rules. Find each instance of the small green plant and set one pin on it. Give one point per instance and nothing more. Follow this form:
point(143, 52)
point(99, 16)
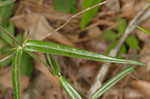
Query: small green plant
point(19, 49)
point(66, 6)
point(6, 9)
point(113, 37)
point(56, 49)
point(87, 16)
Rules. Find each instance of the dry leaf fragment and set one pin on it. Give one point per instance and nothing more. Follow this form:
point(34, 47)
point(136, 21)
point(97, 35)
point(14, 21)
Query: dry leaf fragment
point(142, 86)
point(39, 28)
point(5, 79)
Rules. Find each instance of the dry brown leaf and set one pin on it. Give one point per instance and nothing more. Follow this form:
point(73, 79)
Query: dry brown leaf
point(128, 10)
point(42, 87)
point(51, 87)
point(126, 93)
point(39, 66)
point(145, 52)
point(142, 86)
point(39, 28)
point(5, 79)
point(46, 10)
point(113, 5)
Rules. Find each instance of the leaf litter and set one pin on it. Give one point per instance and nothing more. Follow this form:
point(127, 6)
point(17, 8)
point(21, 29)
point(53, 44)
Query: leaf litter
point(42, 19)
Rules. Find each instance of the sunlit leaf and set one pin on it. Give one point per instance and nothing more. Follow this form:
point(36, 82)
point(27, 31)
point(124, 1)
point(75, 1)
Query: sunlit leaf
point(111, 82)
point(57, 49)
point(69, 89)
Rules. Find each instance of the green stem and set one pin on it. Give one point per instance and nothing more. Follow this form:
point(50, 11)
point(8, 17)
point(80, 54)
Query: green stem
point(16, 73)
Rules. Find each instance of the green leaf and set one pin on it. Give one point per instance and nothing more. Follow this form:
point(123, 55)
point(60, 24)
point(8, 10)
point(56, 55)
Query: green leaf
point(69, 89)
point(132, 42)
point(26, 64)
point(57, 49)
point(111, 82)
point(5, 51)
point(16, 73)
point(5, 37)
point(53, 66)
point(5, 13)
point(110, 35)
point(122, 50)
point(144, 30)
point(87, 16)
point(121, 25)
point(66, 6)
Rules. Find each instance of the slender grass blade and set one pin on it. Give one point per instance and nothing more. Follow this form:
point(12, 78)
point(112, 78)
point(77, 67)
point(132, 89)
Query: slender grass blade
point(69, 89)
point(112, 82)
point(57, 49)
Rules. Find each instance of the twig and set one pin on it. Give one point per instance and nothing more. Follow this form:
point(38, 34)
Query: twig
point(140, 17)
point(78, 14)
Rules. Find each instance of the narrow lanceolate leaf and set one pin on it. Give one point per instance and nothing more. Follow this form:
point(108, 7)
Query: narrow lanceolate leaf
point(69, 89)
point(144, 30)
point(112, 82)
point(53, 65)
point(57, 49)
point(15, 73)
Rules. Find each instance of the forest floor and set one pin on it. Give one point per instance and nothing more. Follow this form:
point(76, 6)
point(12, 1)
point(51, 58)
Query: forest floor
point(41, 19)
